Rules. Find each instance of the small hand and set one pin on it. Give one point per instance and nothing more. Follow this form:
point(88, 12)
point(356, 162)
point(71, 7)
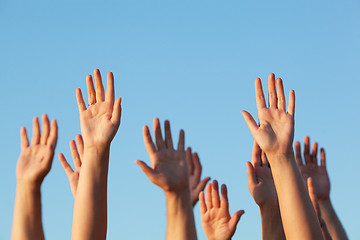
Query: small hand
point(318, 173)
point(196, 184)
point(77, 156)
point(35, 161)
point(260, 180)
point(168, 169)
point(215, 217)
point(275, 131)
point(100, 122)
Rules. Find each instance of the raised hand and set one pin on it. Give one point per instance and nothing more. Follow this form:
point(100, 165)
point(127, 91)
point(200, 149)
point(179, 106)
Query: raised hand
point(35, 160)
point(196, 184)
point(169, 168)
point(77, 156)
point(215, 217)
point(311, 168)
point(275, 131)
point(100, 122)
point(260, 181)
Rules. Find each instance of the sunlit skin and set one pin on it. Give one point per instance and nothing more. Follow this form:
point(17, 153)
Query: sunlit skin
point(262, 188)
point(274, 134)
point(33, 165)
point(215, 216)
point(311, 168)
point(99, 124)
point(169, 170)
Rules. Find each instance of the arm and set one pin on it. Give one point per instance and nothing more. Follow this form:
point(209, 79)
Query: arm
point(195, 183)
point(170, 172)
point(215, 217)
point(318, 173)
point(33, 165)
point(275, 134)
point(99, 124)
point(262, 188)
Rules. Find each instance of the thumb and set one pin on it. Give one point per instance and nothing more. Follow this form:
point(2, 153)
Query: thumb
point(149, 172)
point(235, 219)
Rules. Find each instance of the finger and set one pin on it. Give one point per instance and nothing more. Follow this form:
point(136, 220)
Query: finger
point(201, 186)
point(298, 154)
point(251, 123)
point(281, 104)
point(158, 135)
point(256, 155)
point(90, 90)
point(197, 166)
point(264, 159)
point(190, 160)
point(45, 129)
point(36, 132)
point(291, 105)
point(224, 198)
point(149, 144)
point(260, 98)
point(110, 92)
point(68, 169)
point(116, 114)
point(23, 138)
point(80, 100)
point(251, 176)
point(235, 219)
point(168, 138)
point(272, 91)
point(314, 153)
point(99, 86)
point(322, 157)
point(53, 135)
point(149, 172)
point(215, 194)
point(80, 145)
point(208, 196)
point(75, 154)
point(202, 203)
point(181, 143)
point(307, 156)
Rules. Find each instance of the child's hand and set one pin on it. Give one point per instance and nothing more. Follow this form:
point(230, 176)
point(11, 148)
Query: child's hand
point(77, 156)
point(275, 131)
point(35, 161)
point(260, 180)
point(168, 169)
point(100, 122)
point(318, 173)
point(196, 184)
point(215, 217)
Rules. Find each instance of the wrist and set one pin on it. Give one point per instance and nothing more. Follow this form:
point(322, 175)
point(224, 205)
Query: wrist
point(31, 186)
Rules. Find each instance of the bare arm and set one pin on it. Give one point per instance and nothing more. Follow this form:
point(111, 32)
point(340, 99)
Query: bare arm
point(33, 165)
point(275, 134)
point(99, 124)
point(170, 172)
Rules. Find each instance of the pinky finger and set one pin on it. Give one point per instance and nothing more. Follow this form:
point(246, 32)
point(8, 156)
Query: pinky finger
point(53, 135)
point(291, 106)
point(322, 158)
point(24, 138)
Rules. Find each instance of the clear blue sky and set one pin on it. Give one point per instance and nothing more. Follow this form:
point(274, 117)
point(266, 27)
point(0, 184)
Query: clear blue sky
point(194, 63)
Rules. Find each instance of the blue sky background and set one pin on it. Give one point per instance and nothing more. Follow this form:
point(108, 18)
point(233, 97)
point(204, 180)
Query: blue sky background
point(194, 63)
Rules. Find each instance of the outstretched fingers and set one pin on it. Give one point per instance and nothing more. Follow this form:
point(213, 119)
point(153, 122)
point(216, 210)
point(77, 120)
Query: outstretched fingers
point(256, 154)
point(99, 86)
point(24, 138)
point(224, 198)
point(181, 143)
point(260, 98)
point(251, 123)
point(322, 157)
point(168, 138)
point(203, 208)
point(75, 154)
point(90, 90)
point(215, 194)
point(298, 154)
point(80, 100)
point(64, 163)
point(281, 104)
point(209, 196)
point(160, 144)
point(110, 92)
point(272, 91)
point(36, 132)
point(149, 172)
point(149, 144)
point(235, 219)
point(314, 153)
point(291, 105)
point(116, 114)
point(53, 135)
point(45, 129)
point(190, 163)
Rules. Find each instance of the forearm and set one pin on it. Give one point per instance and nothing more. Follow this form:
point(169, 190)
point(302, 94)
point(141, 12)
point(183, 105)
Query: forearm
point(27, 213)
point(272, 227)
point(180, 217)
point(332, 221)
point(297, 212)
point(90, 208)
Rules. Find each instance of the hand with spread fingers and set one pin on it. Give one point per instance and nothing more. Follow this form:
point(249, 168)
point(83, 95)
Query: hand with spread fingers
point(100, 121)
point(215, 217)
point(33, 165)
point(169, 171)
point(196, 184)
point(311, 168)
point(77, 155)
point(274, 134)
point(262, 188)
